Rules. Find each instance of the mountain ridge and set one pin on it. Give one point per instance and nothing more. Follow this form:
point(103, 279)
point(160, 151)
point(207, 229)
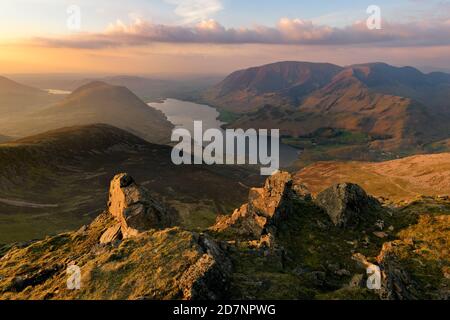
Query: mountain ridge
point(96, 102)
point(401, 179)
point(275, 246)
point(354, 98)
point(287, 76)
point(58, 174)
point(16, 98)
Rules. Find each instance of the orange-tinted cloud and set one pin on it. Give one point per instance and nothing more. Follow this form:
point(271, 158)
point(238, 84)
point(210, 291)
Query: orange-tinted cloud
point(287, 32)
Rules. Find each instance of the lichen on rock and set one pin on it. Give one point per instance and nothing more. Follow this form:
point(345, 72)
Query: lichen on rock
point(134, 209)
point(347, 204)
point(266, 208)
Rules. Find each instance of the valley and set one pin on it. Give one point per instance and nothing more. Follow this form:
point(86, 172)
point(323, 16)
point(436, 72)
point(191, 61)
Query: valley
point(224, 159)
point(280, 244)
point(55, 181)
point(401, 109)
point(405, 179)
point(182, 114)
point(87, 178)
point(95, 102)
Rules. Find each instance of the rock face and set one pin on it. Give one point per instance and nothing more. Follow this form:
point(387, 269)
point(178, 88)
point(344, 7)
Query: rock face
point(396, 281)
point(347, 204)
point(207, 279)
point(134, 210)
point(160, 264)
point(112, 234)
point(265, 209)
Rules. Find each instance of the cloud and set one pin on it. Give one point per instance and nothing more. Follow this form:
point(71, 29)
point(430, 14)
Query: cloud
point(286, 32)
point(195, 10)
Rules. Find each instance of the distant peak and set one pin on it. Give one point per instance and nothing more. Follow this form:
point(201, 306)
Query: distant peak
point(14, 85)
point(89, 133)
point(95, 86)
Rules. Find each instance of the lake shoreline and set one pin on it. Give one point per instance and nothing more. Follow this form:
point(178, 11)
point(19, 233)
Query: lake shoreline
point(182, 114)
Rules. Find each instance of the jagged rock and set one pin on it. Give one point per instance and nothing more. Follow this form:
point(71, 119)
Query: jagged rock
point(302, 191)
point(347, 204)
point(157, 265)
point(396, 282)
point(208, 278)
point(266, 208)
point(112, 234)
point(134, 208)
point(269, 200)
point(412, 267)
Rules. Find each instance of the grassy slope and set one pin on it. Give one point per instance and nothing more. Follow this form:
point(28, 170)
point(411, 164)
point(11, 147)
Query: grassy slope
point(314, 250)
point(148, 266)
point(96, 102)
point(306, 268)
point(17, 99)
point(402, 179)
point(71, 168)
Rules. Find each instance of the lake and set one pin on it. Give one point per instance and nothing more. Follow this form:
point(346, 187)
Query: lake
point(183, 114)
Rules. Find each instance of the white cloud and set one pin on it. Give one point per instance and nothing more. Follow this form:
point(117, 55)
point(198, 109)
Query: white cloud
point(287, 31)
point(196, 10)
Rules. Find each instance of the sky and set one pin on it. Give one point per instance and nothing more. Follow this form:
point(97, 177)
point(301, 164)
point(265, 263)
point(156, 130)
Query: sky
point(218, 36)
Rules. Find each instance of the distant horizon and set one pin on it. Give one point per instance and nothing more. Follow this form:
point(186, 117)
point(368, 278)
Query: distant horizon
point(172, 75)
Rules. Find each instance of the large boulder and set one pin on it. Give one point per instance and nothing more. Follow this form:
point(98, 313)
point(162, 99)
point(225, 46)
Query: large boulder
point(134, 209)
point(347, 204)
point(265, 209)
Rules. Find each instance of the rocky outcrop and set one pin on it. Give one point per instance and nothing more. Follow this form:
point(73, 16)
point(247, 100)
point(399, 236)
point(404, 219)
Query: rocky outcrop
point(208, 278)
point(414, 266)
point(265, 209)
point(112, 234)
point(282, 246)
point(347, 204)
point(396, 283)
point(134, 210)
point(159, 264)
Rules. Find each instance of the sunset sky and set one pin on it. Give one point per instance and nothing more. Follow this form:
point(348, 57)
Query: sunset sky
point(216, 36)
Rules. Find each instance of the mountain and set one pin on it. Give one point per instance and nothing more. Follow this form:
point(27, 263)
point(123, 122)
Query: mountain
point(288, 83)
point(16, 98)
point(96, 102)
point(142, 87)
point(403, 179)
point(431, 89)
point(149, 89)
point(282, 83)
point(281, 244)
point(350, 104)
point(55, 181)
point(400, 108)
